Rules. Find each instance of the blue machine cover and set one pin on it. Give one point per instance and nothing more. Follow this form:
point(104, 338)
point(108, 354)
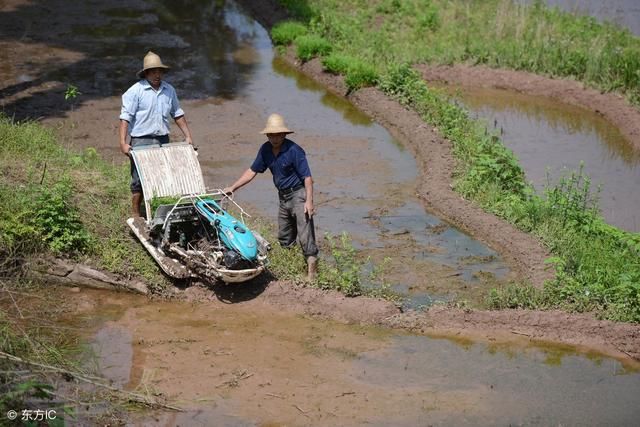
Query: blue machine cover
point(232, 232)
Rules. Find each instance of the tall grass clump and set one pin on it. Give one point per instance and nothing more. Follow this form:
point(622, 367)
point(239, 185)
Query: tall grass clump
point(597, 266)
point(310, 46)
point(357, 73)
point(285, 33)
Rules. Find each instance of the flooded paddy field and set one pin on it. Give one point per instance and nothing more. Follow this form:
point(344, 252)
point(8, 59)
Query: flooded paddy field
point(250, 360)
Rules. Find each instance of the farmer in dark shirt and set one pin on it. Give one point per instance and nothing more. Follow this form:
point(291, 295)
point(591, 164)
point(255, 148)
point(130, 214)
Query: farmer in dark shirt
point(291, 175)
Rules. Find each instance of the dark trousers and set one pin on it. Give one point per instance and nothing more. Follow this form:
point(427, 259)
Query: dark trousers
point(293, 223)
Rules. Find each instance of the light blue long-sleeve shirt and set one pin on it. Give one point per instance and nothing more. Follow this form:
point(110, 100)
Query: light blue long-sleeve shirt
point(147, 110)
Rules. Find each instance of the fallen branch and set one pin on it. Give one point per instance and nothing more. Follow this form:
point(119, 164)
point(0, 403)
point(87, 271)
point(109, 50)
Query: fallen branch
point(135, 397)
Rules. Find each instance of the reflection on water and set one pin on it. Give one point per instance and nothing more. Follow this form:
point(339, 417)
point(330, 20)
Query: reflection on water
point(551, 138)
point(208, 44)
point(505, 385)
point(349, 112)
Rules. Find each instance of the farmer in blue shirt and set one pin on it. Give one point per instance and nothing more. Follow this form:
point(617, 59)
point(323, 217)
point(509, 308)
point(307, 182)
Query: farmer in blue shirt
point(291, 175)
point(146, 109)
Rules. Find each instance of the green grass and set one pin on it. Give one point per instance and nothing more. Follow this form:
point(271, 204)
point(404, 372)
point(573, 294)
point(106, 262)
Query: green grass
point(357, 73)
point(497, 33)
point(597, 265)
point(341, 267)
point(286, 32)
point(309, 46)
point(65, 203)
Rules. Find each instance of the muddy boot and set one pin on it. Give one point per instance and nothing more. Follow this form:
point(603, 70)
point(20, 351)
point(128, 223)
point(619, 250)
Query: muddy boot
point(136, 199)
point(312, 268)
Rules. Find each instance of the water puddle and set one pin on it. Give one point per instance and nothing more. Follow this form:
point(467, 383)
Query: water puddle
point(248, 364)
point(552, 139)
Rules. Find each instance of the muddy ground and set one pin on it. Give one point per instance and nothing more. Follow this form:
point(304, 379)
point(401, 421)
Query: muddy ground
point(225, 130)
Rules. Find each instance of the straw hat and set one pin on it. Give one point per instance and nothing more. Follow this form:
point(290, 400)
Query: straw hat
point(275, 124)
point(151, 60)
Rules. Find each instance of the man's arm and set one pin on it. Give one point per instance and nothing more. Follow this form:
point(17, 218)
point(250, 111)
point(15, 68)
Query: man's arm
point(308, 204)
point(124, 127)
point(184, 127)
point(246, 178)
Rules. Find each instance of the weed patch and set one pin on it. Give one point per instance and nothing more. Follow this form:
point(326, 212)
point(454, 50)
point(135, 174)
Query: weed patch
point(285, 33)
point(65, 203)
point(310, 46)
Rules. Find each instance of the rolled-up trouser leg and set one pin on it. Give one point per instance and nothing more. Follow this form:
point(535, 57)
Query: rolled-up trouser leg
point(292, 223)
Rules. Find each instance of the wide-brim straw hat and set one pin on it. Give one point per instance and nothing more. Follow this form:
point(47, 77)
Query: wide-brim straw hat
point(151, 60)
point(275, 124)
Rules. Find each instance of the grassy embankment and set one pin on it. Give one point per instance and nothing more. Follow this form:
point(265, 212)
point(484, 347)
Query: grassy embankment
point(597, 265)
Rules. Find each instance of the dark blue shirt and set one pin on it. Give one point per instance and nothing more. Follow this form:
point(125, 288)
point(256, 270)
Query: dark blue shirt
point(289, 168)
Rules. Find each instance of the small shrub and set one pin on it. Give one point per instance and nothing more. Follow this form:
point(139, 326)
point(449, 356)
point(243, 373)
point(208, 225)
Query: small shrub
point(344, 271)
point(357, 73)
point(429, 19)
point(287, 32)
point(58, 220)
point(337, 63)
point(310, 46)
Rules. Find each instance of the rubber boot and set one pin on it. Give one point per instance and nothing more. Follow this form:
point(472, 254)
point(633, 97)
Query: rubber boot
point(312, 268)
point(136, 199)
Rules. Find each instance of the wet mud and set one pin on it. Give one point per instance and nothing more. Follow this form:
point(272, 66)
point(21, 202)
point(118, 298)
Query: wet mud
point(253, 364)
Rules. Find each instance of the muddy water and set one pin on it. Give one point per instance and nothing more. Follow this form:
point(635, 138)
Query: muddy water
point(625, 13)
point(552, 139)
point(247, 364)
point(365, 181)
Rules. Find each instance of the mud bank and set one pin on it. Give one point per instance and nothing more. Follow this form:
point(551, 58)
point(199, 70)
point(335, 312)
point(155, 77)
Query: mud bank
point(613, 107)
point(518, 327)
